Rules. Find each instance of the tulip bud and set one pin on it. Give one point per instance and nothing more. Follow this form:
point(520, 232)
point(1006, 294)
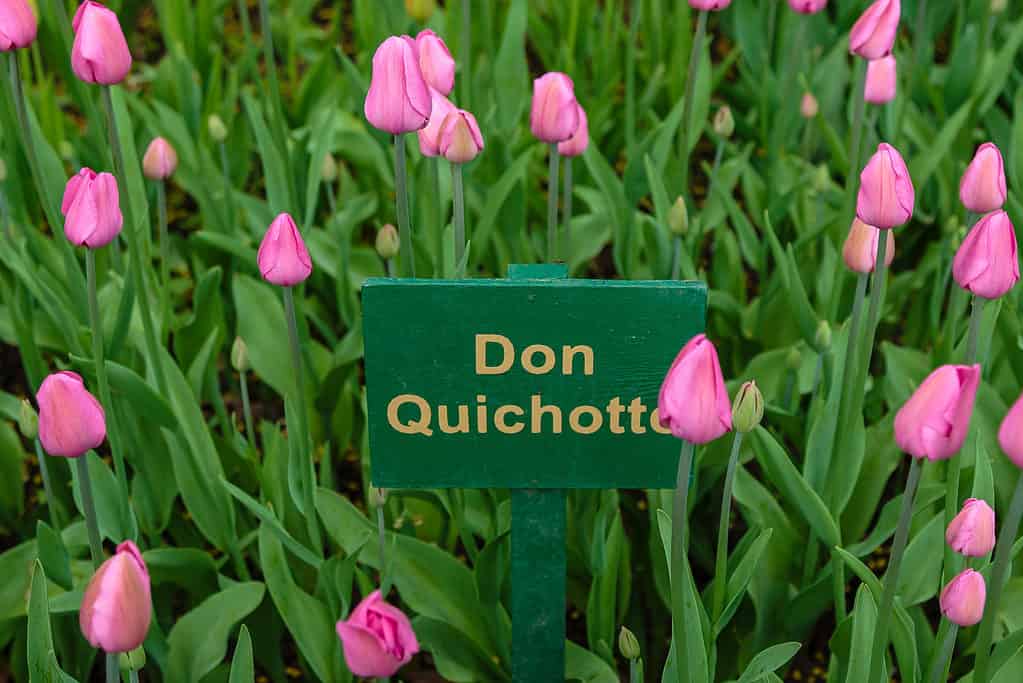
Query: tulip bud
point(388, 243)
point(628, 645)
point(91, 208)
point(823, 338)
point(28, 421)
point(713, 5)
point(398, 100)
point(67, 151)
point(873, 34)
point(554, 116)
point(429, 136)
point(239, 355)
point(215, 125)
point(748, 408)
point(724, 124)
point(282, 257)
point(821, 178)
point(693, 402)
point(328, 168)
point(71, 420)
point(934, 421)
point(377, 638)
point(117, 606)
point(882, 81)
point(18, 25)
point(982, 188)
point(794, 359)
point(808, 6)
point(460, 137)
point(886, 195)
point(100, 53)
point(160, 160)
point(860, 248)
point(375, 497)
point(580, 140)
point(972, 531)
point(999, 6)
point(435, 62)
point(1010, 434)
point(808, 106)
point(420, 10)
point(987, 263)
point(962, 600)
point(134, 660)
point(678, 217)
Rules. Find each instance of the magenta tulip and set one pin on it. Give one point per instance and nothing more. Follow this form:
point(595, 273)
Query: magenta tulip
point(873, 34)
point(283, 259)
point(429, 137)
point(554, 116)
point(71, 420)
point(160, 160)
point(460, 137)
point(100, 53)
point(577, 144)
point(860, 249)
point(693, 402)
point(91, 208)
point(962, 600)
point(886, 195)
point(435, 62)
point(377, 638)
point(986, 263)
point(18, 25)
point(882, 81)
point(398, 100)
point(117, 607)
point(1010, 434)
point(972, 531)
point(709, 4)
point(982, 188)
point(808, 6)
point(934, 421)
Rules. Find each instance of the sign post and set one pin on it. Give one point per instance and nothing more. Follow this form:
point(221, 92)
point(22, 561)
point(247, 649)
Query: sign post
point(535, 383)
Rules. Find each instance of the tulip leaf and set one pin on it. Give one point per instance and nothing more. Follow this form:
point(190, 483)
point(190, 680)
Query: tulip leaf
point(242, 668)
point(766, 661)
point(583, 665)
point(864, 620)
point(261, 324)
point(458, 658)
point(53, 555)
point(510, 68)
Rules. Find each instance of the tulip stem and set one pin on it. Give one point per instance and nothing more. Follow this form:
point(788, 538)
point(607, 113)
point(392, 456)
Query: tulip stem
point(566, 209)
point(133, 676)
point(44, 471)
point(458, 199)
point(165, 303)
point(721, 560)
point(687, 111)
point(250, 431)
point(89, 510)
point(877, 285)
point(385, 577)
point(225, 176)
point(943, 654)
point(676, 259)
point(999, 570)
point(636, 670)
point(301, 435)
point(857, 134)
point(678, 552)
point(404, 224)
point(976, 314)
point(891, 577)
point(552, 204)
point(113, 668)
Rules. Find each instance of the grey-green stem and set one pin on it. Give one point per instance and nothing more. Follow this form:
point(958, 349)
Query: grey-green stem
point(165, 300)
point(552, 204)
point(458, 199)
point(51, 501)
point(973, 337)
point(566, 209)
point(250, 431)
point(385, 576)
point(678, 550)
point(404, 222)
point(721, 559)
point(943, 654)
point(676, 258)
point(113, 667)
point(852, 177)
point(89, 510)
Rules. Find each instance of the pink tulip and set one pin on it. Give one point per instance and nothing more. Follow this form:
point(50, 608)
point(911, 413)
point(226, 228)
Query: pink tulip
point(555, 113)
point(377, 638)
point(1010, 434)
point(429, 137)
point(577, 144)
point(435, 62)
point(91, 208)
point(987, 263)
point(709, 4)
point(283, 259)
point(100, 53)
point(886, 194)
point(873, 34)
point(117, 607)
point(808, 6)
point(398, 100)
point(160, 160)
point(808, 106)
point(460, 137)
point(982, 188)
point(933, 423)
point(881, 82)
point(962, 600)
point(18, 25)
point(71, 420)
point(972, 531)
point(693, 401)
point(860, 249)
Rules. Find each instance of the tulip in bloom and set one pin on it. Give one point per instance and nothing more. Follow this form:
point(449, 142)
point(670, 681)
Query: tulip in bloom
point(808, 6)
point(100, 53)
point(377, 638)
point(808, 106)
point(934, 421)
point(1010, 434)
point(429, 136)
point(554, 116)
point(987, 263)
point(860, 249)
point(873, 34)
point(881, 82)
point(160, 160)
point(18, 25)
point(435, 62)
point(972, 531)
point(886, 196)
point(71, 420)
point(91, 208)
point(982, 188)
point(398, 100)
point(577, 144)
point(117, 607)
point(283, 259)
point(460, 137)
point(709, 4)
point(962, 600)
point(693, 402)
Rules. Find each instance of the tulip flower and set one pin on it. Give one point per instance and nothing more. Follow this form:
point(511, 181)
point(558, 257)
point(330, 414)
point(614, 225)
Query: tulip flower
point(860, 249)
point(712, 5)
point(429, 136)
point(283, 258)
point(460, 138)
point(881, 81)
point(580, 140)
point(886, 195)
point(723, 123)
point(962, 600)
point(693, 402)
point(554, 116)
point(117, 607)
point(982, 188)
point(987, 263)
point(398, 100)
point(100, 53)
point(18, 25)
point(377, 638)
point(972, 531)
point(934, 421)
point(1010, 434)
point(808, 6)
point(435, 62)
point(873, 34)
point(91, 208)
point(160, 160)
point(71, 420)
point(808, 106)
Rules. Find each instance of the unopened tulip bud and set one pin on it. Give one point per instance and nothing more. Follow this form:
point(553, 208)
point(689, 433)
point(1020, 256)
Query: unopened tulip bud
point(436, 62)
point(580, 140)
point(18, 25)
point(398, 100)
point(1010, 433)
point(693, 402)
point(724, 123)
point(678, 217)
point(712, 5)
point(66, 149)
point(882, 81)
point(282, 257)
point(421, 10)
point(962, 600)
point(822, 340)
point(328, 169)
point(821, 178)
point(160, 160)
point(71, 420)
point(873, 34)
point(987, 263)
point(748, 408)
point(460, 137)
point(860, 248)
point(554, 116)
point(628, 645)
point(134, 660)
point(376, 497)
point(117, 606)
point(429, 136)
point(934, 422)
point(886, 197)
point(215, 125)
point(999, 6)
point(100, 53)
point(28, 420)
point(240, 355)
point(808, 106)
point(972, 531)
point(92, 209)
point(982, 187)
point(388, 243)
point(794, 359)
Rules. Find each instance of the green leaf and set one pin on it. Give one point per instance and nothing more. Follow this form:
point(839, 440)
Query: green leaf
point(864, 619)
point(766, 661)
point(741, 576)
point(274, 167)
point(510, 68)
point(242, 670)
point(497, 194)
point(261, 324)
point(583, 665)
point(458, 657)
point(693, 615)
point(270, 520)
point(53, 555)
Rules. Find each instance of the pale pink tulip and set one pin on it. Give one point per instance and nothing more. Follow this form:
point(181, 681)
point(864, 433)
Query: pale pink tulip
point(982, 188)
point(398, 100)
point(283, 258)
point(460, 137)
point(972, 531)
point(987, 263)
point(934, 421)
point(554, 116)
point(160, 160)
point(886, 195)
point(962, 600)
point(91, 208)
point(577, 144)
point(882, 81)
point(18, 25)
point(873, 34)
point(693, 401)
point(377, 638)
point(117, 607)
point(71, 420)
point(435, 62)
point(860, 249)
point(100, 53)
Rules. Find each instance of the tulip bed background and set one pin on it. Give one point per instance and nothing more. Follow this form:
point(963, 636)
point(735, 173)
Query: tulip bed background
point(239, 590)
